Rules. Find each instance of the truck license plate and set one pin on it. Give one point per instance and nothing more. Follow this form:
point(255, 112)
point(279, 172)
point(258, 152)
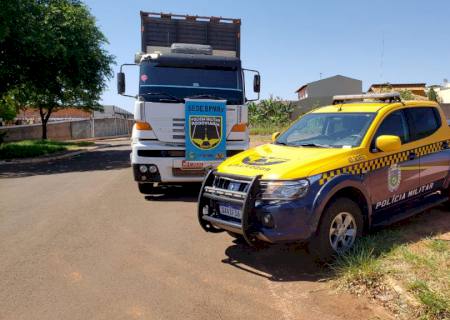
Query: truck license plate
point(230, 211)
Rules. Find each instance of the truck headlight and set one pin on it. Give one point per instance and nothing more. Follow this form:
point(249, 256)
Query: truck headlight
point(284, 190)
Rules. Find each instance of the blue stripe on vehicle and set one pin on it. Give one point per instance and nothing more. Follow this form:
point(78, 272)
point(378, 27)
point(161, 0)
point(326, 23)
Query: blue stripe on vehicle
point(189, 87)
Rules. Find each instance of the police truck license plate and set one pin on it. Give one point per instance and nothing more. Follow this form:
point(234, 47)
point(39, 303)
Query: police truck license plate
point(230, 211)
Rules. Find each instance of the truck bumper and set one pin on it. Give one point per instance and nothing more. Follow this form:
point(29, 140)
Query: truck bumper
point(269, 221)
point(168, 158)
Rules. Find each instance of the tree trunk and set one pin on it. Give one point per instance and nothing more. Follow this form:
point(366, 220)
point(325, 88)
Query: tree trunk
point(44, 120)
point(44, 130)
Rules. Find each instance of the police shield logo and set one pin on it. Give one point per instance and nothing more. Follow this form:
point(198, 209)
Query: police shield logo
point(205, 131)
point(394, 177)
point(262, 161)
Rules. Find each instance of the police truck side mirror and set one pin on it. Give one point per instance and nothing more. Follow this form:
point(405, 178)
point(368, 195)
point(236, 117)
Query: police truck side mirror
point(120, 83)
point(257, 83)
point(388, 143)
point(275, 135)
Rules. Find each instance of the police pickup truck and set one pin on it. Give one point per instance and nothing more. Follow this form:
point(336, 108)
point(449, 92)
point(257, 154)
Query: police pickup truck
point(365, 161)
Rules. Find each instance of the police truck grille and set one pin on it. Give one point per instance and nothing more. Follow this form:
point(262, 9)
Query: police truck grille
point(230, 184)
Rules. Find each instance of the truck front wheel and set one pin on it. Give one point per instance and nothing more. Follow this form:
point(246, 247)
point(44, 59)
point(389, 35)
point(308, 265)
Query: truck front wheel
point(341, 224)
point(146, 188)
point(447, 203)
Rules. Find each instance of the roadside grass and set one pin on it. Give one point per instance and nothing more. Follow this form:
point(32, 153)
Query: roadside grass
point(409, 277)
point(35, 148)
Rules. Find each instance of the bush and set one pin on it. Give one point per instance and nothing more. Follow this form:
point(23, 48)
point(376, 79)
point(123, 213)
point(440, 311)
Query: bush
point(269, 115)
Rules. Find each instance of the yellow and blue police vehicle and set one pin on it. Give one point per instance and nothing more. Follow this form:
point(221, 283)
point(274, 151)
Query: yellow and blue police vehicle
point(365, 161)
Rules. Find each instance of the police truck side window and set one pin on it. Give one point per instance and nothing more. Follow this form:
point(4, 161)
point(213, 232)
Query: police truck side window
point(394, 125)
point(424, 121)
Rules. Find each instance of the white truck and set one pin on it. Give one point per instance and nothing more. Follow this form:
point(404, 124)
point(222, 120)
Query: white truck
point(185, 58)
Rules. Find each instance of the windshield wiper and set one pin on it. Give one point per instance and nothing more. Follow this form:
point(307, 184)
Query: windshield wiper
point(169, 97)
point(318, 145)
point(206, 96)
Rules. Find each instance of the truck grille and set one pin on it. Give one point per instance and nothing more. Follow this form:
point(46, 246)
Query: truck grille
point(178, 129)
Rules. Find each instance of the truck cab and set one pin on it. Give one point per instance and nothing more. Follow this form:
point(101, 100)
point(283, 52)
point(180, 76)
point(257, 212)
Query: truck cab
point(336, 172)
point(177, 66)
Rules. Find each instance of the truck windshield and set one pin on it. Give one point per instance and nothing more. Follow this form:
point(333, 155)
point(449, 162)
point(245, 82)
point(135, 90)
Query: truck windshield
point(168, 83)
point(329, 130)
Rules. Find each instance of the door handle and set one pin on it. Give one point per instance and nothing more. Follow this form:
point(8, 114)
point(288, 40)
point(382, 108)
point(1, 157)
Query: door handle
point(412, 155)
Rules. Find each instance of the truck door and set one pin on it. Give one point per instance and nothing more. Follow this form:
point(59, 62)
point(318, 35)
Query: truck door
point(395, 173)
point(432, 147)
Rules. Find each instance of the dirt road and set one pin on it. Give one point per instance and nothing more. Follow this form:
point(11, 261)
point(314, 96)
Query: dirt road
point(77, 241)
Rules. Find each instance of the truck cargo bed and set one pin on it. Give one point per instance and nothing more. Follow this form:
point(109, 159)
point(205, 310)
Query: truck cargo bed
point(161, 30)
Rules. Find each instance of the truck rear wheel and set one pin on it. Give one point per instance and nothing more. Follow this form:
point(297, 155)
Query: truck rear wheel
point(340, 226)
point(146, 188)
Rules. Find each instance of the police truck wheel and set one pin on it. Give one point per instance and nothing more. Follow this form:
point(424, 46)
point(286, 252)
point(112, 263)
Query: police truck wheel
point(447, 203)
point(146, 188)
point(341, 224)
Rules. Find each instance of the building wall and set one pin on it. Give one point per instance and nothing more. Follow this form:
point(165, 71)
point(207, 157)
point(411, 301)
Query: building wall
point(70, 130)
point(444, 95)
point(303, 93)
point(334, 86)
point(320, 93)
point(419, 91)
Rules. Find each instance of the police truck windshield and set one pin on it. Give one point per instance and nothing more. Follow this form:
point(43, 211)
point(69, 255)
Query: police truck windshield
point(329, 130)
point(168, 83)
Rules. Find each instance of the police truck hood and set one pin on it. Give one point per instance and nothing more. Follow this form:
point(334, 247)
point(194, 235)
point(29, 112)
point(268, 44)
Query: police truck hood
point(284, 162)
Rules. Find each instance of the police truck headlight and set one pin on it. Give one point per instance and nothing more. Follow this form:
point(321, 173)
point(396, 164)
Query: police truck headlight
point(284, 190)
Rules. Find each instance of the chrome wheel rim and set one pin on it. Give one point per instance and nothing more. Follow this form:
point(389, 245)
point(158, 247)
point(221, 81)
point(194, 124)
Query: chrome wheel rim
point(342, 232)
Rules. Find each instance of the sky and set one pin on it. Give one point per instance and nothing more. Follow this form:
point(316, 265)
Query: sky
point(295, 42)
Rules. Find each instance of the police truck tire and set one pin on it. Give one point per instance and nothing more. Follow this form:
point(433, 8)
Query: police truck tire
point(447, 203)
point(341, 224)
point(146, 188)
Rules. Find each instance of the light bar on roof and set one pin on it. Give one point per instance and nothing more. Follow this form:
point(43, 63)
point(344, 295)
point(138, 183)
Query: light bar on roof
point(389, 96)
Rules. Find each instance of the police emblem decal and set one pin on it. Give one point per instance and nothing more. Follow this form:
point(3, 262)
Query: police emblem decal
point(262, 161)
point(205, 131)
point(394, 177)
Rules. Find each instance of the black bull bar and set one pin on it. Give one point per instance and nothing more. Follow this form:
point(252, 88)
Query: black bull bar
point(210, 196)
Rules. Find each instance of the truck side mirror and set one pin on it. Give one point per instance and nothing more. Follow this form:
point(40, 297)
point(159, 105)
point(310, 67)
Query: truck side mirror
point(120, 83)
point(257, 83)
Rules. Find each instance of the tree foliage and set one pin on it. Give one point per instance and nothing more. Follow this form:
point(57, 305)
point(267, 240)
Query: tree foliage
point(53, 53)
point(406, 95)
point(272, 111)
point(8, 107)
point(432, 95)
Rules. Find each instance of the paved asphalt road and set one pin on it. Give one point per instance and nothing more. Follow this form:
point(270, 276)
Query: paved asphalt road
point(77, 241)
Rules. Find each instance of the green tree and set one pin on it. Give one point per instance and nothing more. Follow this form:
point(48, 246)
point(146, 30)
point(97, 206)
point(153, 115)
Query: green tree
point(272, 111)
point(406, 95)
point(58, 56)
point(8, 107)
point(432, 95)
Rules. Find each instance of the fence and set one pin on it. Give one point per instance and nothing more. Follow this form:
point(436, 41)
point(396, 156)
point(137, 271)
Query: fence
point(71, 130)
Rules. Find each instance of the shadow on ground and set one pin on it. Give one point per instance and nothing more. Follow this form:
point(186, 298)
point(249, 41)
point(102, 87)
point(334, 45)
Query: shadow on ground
point(184, 193)
point(294, 263)
point(102, 159)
